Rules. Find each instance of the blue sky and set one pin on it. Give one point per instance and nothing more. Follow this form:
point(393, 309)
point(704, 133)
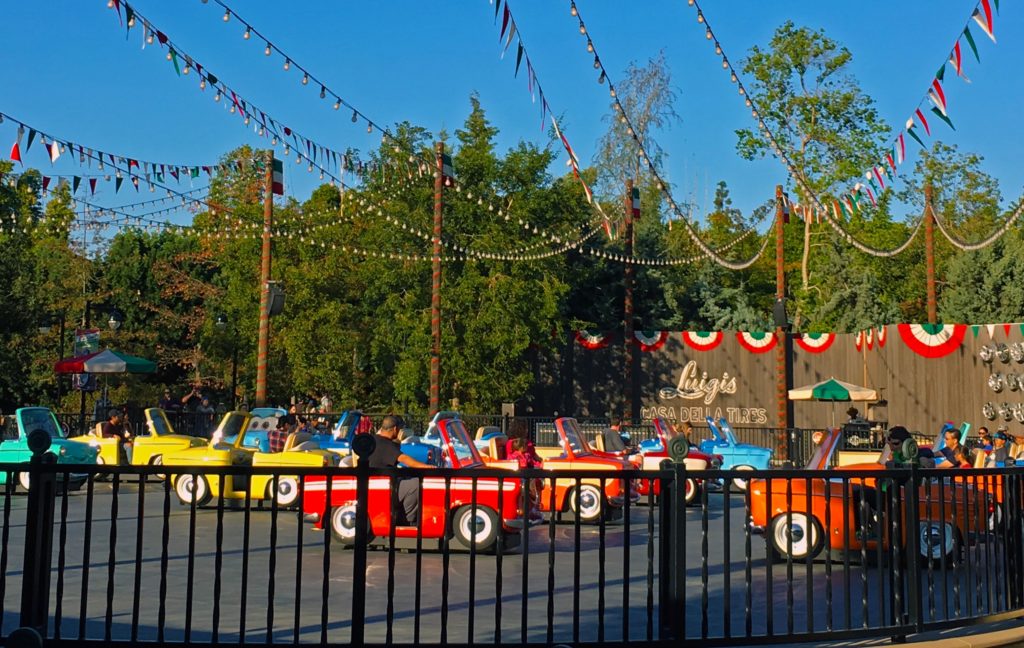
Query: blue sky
point(69, 70)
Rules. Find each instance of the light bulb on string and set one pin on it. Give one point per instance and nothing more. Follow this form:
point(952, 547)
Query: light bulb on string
point(369, 127)
point(337, 104)
point(732, 77)
point(202, 83)
point(573, 10)
point(287, 64)
point(718, 48)
point(131, 22)
point(247, 34)
point(227, 16)
point(305, 79)
point(725, 64)
point(267, 50)
point(323, 92)
point(170, 54)
point(149, 38)
point(590, 45)
point(355, 116)
point(708, 35)
point(216, 97)
point(700, 17)
point(186, 69)
point(583, 29)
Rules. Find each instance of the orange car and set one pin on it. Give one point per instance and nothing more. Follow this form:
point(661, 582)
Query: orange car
point(949, 513)
point(584, 498)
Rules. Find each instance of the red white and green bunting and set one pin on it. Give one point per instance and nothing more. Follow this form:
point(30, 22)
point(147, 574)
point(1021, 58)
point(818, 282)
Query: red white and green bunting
point(815, 342)
point(592, 341)
point(278, 177)
point(651, 340)
point(891, 158)
point(757, 341)
point(703, 340)
point(932, 340)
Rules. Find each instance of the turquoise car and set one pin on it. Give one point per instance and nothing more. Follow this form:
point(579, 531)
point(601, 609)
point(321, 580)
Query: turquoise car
point(735, 455)
point(14, 447)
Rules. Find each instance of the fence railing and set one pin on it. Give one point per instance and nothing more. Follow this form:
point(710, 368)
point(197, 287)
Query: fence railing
point(265, 555)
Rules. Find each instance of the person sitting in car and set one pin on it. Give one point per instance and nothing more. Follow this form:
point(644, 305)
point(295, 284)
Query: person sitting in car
point(952, 437)
point(1000, 450)
point(114, 427)
point(388, 454)
point(277, 437)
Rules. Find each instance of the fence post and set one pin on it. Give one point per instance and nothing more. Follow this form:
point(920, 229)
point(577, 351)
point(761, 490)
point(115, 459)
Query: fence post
point(1011, 520)
point(673, 574)
point(912, 533)
point(363, 446)
point(42, 493)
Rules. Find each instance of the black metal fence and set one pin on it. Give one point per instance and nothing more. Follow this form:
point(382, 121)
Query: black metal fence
point(111, 554)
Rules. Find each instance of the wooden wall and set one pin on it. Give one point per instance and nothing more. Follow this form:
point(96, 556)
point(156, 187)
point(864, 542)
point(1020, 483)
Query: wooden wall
point(922, 392)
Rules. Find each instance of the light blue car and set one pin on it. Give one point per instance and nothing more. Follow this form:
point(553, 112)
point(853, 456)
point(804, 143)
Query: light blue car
point(261, 421)
point(14, 447)
point(735, 455)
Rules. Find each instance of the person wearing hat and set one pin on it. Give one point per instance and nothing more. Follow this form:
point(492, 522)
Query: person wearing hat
point(1000, 451)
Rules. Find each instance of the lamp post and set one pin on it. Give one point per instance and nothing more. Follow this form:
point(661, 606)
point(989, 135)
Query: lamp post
point(222, 323)
point(114, 321)
point(44, 327)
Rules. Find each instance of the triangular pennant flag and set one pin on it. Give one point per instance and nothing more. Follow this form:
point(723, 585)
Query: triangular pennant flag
point(937, 96)
point(1006, 329)
point(970, 41)
point(991, 330)
point(174, 60)
point(519, 58)
point(902, 150)
point(943, 117)
point(924, 122)
point(135, 181)
point(92, 185)
point(46, 182)
point(497, 8)
point(941, 74)
point(985, 20)
point(117, 183)
point(975, 328)
point(16, 154)
point(54, 151)
point(910, 131)
point(504, 23)
point(31, 137)
point(75, 181)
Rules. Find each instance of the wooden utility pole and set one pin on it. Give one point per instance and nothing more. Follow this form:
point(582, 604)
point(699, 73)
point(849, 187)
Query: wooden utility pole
point(435, 288)
point(929, 252)
point(781, 329)
point(628, 321)
point(264, 339)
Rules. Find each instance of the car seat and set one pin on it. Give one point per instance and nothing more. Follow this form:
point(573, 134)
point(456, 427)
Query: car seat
point(599, 442)
point(496, 446)
point(295, 439)
point(483, 431)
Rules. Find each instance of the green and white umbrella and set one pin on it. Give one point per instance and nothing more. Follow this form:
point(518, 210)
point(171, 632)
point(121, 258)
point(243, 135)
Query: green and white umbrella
point(833, 391)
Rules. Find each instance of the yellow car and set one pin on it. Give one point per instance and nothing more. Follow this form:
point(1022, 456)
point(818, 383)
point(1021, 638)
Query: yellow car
point(220, 452)
point(146, 449)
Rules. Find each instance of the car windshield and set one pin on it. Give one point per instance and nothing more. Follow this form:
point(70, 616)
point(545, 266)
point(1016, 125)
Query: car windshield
point(156, 421)
point(232, 425)
point(346, 425)
point(572, 437)
point(462, 446)
point(39, 418)
point(726, 431)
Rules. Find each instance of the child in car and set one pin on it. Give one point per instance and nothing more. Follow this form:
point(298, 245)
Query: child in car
point(521, 453)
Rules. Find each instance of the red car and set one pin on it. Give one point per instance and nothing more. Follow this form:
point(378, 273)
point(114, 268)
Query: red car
point(494, 509)
point(655, 451)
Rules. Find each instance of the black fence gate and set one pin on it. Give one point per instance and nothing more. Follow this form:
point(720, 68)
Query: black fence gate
point(111, 555)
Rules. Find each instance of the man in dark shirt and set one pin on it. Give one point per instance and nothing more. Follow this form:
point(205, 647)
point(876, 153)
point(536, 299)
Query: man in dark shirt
point(114, 428)
point(388, 454)
point(948, 451)
point(1000, 451)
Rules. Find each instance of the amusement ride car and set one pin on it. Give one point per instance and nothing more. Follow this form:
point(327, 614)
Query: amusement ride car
point(219, 452)
point(15, 446)
point(446, 506)
point(735, 455)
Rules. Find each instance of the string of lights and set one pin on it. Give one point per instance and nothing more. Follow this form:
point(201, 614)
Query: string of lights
point(810, 194)
point(647, 161)
point(999, 232)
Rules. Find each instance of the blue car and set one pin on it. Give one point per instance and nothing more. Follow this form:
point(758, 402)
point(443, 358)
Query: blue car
point(261, 421)
point(940, 442)
point(735, 455)
point(14, 447)
point(339, 439)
